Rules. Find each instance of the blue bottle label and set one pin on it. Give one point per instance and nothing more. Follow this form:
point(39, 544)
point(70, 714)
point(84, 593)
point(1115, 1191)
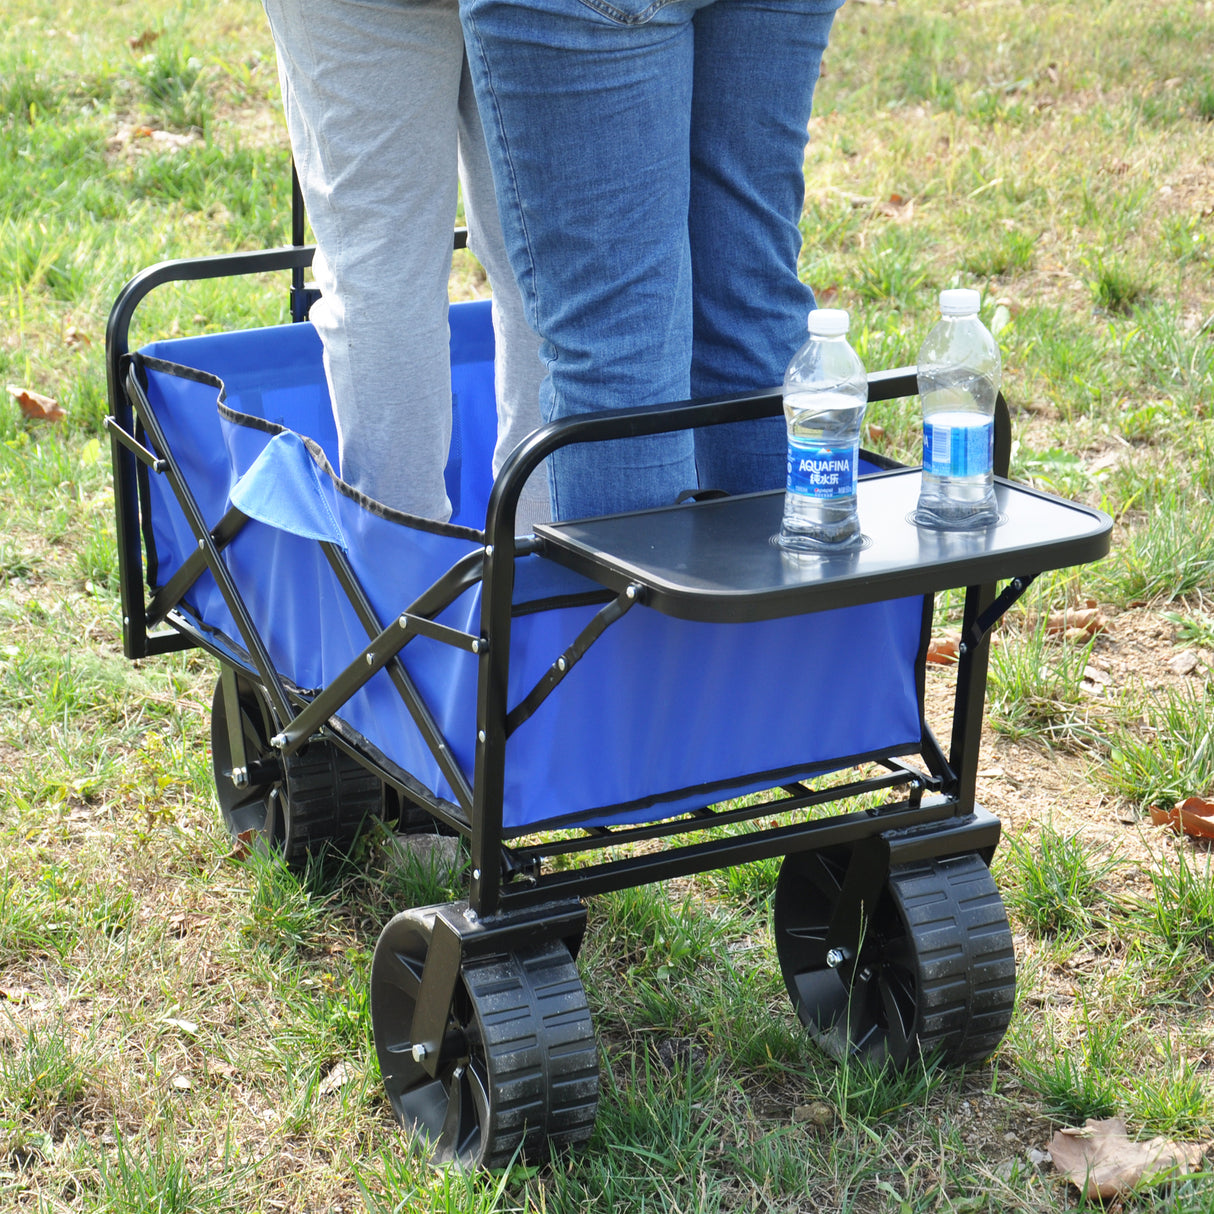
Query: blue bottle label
point(821, 472)
point(962, 445)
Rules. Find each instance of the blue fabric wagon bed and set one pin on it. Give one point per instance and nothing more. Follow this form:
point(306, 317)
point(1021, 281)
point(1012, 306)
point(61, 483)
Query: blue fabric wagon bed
point(660, 714)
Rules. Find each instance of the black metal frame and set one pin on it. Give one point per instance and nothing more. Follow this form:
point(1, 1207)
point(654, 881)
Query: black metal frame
point(936, 815)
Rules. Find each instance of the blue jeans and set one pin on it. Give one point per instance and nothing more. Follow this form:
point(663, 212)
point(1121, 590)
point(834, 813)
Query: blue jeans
point(649, 165)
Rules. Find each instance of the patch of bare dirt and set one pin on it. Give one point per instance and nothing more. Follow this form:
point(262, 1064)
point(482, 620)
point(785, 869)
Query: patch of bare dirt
point(1028, 783)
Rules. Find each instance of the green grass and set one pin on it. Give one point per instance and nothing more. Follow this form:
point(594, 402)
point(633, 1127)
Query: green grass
point(1171, 758)
point(181, 1031)
point(1035, 686)
point(1055, 884)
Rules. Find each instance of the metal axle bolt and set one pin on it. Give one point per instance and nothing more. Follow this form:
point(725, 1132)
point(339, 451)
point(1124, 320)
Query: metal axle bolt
point(419, 1052)
point(835, 958)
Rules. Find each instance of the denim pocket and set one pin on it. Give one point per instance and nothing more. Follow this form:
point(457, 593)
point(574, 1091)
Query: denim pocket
point(628, 12)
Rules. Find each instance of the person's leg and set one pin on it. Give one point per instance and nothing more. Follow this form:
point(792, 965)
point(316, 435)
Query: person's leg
point(756, 65)
point(371, 92)
point(518, 369)
point(585, 111)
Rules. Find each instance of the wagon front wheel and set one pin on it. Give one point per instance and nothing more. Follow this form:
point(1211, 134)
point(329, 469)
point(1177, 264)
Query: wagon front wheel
point(935, 971)
point(518, 1067)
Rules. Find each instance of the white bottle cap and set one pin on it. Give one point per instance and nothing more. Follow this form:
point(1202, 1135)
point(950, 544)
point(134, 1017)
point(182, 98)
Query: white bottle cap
point(828, 322)
point(961, 301)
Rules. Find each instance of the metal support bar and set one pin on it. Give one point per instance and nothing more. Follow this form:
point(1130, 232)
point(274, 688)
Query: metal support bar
point(800, 797)
point(137, 449)
point(379, 652)
point(384, 655)
point(231, 701)
point(194, 565)
point(969, 698)
point(694, 858)
point(603, 619)
point(994, 613)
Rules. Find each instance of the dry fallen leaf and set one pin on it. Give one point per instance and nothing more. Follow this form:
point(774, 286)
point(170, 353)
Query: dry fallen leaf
point(138, 139)
point(140, 42)
point(897, 208)
point(1077, 623)
point(1195, 817)
point(1101, 1161)
point(942, 651)
point(244, 845)
point(37, 407)
point(333, 1080)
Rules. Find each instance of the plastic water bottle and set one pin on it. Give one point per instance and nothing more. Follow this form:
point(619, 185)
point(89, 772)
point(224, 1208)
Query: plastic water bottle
point(959, 372)
point(825, 391)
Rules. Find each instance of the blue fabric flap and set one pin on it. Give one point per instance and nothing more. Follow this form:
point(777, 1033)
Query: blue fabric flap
point(283, 489)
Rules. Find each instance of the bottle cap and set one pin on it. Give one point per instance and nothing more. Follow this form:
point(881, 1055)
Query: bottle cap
point(828, 322)
point(961, 301)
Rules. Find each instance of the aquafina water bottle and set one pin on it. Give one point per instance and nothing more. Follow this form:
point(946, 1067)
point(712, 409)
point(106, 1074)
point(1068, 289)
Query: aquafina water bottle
point(825, 391)
point(958, 373)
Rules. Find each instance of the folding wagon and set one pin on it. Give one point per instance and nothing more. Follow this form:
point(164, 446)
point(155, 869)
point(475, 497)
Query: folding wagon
point(600, 704)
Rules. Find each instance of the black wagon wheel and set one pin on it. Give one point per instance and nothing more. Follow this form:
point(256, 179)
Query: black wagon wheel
point(518, 1069)
point(297, 802)
point(935, 973)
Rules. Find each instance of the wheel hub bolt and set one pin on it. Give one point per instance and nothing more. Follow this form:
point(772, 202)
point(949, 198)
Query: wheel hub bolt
point(835, 958)
point(420, 1052)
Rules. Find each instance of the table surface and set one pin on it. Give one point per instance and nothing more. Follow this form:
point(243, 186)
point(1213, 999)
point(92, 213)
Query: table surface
point(718, 560)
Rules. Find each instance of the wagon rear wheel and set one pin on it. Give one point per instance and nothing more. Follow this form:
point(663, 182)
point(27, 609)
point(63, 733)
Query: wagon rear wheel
point(518, 1070)
point(935, 973)
point(297, 802)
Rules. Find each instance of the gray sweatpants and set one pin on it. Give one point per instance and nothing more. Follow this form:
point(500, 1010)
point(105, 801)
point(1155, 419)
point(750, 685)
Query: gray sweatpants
point(378, 100)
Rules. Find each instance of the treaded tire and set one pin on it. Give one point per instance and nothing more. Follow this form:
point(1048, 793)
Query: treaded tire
point(936, 972)
point(522, 1075)
point(316, 797)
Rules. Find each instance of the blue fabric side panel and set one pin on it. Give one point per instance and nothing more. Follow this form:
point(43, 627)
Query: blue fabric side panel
point(660, 704)
point(275, 373)
point(187, 412)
